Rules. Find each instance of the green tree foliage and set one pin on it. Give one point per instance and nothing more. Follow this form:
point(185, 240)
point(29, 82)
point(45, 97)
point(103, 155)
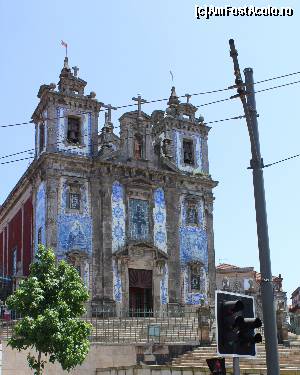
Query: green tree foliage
point(51, 301)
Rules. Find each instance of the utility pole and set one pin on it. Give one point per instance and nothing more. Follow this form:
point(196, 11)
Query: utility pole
point(256, 164)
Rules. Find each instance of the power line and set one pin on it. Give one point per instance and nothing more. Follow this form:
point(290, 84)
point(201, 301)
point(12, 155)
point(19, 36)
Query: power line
point(278, 77)
point(181, 96)
point(13, 161)
point(76, 148)
point(209, 122)
point(282, 160)
point(17, 124)
point(214, 102)
point(276, 87)
point(225, 119)
point(16, 153)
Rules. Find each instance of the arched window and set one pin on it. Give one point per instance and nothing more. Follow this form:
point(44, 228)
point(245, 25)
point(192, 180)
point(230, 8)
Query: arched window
point(138, 146)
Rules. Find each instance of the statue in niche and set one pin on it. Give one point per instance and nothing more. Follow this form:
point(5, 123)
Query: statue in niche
point(237, 286)
point(76, 239)
point(225, 284)
point(251, 284)
point(191, 214)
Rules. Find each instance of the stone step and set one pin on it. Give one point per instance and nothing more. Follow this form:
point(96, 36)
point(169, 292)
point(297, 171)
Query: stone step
point(289, 358)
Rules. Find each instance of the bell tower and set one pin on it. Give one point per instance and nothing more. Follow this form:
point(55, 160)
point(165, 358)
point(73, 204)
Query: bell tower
point(66, 120)
point(136, 136)
point(181, 136)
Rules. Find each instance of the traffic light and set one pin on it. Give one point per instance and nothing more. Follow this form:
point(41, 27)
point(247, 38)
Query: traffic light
point(216, 366)
point(236, 324)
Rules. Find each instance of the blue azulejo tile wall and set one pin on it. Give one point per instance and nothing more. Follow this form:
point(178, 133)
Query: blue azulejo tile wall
point(118, 216)
point(117, 290)
point(159, 219)
point(40, 216)
point(118, 234)
point(193, 250)
point(164, 290)
point(74, 227)
point(84, 149)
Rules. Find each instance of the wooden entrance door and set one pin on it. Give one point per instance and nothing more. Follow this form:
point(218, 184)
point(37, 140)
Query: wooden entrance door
point(140, 292)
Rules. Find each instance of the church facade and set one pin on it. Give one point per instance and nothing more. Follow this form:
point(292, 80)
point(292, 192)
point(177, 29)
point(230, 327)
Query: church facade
point(132, 212)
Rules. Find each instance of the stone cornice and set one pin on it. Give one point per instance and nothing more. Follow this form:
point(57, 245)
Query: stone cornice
point(54, 97)
point(106, 168)
point(90, 166)
point(182, 124)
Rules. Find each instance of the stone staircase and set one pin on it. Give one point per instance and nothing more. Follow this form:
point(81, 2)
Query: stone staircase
point(289, 358)
point(135, 330)
point(179, 330)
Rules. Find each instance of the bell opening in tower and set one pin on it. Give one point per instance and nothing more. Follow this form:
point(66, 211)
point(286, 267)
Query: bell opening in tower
point(74, 134)
point(188, 152)
point(140, 292)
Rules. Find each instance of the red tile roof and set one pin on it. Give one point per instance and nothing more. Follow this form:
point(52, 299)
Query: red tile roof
point(225, 266)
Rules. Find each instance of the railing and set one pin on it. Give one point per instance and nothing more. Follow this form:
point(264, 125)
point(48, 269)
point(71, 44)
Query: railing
point(138, 326)
point(145, 326)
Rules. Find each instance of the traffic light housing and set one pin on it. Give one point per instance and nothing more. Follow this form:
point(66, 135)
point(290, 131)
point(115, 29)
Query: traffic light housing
point(236, 324)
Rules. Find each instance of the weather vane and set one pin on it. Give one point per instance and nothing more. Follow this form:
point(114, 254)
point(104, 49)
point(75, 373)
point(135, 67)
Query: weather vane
point(172, 76)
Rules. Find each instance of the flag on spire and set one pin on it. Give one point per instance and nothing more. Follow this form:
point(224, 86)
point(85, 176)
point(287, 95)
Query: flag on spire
point(64, 44)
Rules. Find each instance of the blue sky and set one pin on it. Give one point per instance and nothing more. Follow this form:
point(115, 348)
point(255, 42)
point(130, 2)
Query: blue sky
point(127, 47)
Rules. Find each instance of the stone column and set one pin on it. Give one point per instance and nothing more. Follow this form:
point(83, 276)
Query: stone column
point(94, 133)
point(172, 198)
point(52, 189)
point(211, 249)
point(124, 274)
point(106, 248)
point(148, 143)
point(52, 129)
point(205, 166)
point(130, 137)
point(157, 277)
point(96, 271)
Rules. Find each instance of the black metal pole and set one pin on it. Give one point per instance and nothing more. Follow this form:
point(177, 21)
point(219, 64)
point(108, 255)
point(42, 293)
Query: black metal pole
point(256, 164)
point(267, 293)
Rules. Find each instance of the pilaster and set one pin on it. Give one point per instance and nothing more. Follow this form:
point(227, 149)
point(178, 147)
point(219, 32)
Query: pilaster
point(52, 185)
point(211, 249)
point(97, 269)
point(172, 197)
point(106, 240)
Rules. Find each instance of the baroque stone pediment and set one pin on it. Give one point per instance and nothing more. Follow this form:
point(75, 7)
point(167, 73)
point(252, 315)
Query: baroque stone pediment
point(140, 250)
point(137, 181)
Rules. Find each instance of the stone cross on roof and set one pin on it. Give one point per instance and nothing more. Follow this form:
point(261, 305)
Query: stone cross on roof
point(139, 101)
point(188, 97)
point(75, 68)
point(109, 107)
